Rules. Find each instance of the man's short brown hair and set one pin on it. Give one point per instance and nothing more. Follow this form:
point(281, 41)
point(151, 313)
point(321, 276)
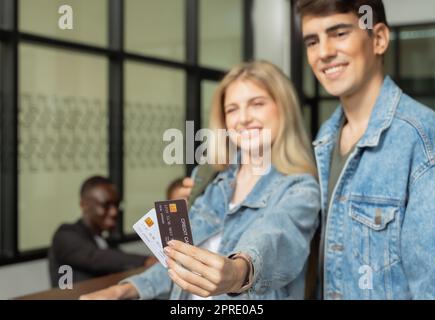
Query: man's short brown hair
point(328, 7)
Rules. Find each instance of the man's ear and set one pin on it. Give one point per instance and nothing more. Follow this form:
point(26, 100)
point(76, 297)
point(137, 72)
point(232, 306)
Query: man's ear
point(83, 204)
point(381, 38)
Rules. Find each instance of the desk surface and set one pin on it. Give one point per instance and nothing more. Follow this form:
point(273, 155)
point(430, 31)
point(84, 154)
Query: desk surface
point(82, 287)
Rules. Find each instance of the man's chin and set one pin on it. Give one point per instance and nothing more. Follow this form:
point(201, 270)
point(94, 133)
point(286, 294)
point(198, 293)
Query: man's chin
point(338, 88)
point(335, 90)
point(253, 147)
point(110, 226)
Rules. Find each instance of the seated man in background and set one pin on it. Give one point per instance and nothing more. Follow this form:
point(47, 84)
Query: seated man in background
point(188, 188)
point(82, 246)
point(175, 190)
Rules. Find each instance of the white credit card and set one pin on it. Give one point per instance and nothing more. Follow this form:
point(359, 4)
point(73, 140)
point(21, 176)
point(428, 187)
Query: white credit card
point(148, 230)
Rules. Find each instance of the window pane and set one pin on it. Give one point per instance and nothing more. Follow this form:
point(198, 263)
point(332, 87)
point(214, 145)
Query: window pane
point(306, 113)
point(430, 102)
point(417, 60)
point(308, 77)
point(207, 90)
point(89, 20)
point(62, 137)
point(155, 101)
point(1, 108)
point(390, 56)
point(221, 22)
point(326, 109)
point(155, 28)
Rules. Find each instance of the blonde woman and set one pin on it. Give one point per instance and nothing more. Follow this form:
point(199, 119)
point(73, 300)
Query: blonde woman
point(252, 229)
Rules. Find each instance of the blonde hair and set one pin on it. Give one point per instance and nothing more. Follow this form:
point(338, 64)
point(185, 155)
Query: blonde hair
point(291, 150)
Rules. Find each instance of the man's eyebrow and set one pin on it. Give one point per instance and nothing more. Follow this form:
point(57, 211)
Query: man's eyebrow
point(339, 26)
point(310, 36)
point(331, 29)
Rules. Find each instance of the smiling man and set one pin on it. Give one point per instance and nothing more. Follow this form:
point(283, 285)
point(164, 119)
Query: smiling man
point(376, 162)
point(82, 246)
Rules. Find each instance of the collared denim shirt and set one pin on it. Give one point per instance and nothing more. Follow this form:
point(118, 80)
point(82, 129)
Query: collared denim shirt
point(273, 225)
point(379, 236)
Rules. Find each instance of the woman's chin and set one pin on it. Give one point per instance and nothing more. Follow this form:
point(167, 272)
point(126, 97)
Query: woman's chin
point(252, 148)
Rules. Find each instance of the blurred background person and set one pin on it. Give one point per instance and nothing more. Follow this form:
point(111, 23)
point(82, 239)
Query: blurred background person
point(176, 190)
point(82, 246)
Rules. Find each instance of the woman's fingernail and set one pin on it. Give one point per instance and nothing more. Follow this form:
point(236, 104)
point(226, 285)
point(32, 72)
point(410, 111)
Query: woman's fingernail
point(171, 243)
point(167, 250)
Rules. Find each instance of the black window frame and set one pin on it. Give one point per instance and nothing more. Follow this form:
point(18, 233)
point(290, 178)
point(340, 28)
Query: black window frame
point(11, 37)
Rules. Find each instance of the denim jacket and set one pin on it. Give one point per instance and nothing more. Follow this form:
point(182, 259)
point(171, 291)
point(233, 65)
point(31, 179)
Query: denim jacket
point(273, 225)
point(379, 236)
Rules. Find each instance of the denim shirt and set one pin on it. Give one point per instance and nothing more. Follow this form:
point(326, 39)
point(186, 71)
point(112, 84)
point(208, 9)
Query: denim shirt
point(273, 225)
point(379, 236)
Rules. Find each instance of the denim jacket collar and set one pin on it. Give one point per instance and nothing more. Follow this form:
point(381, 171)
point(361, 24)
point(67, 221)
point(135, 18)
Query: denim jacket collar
point(259, 195)
point(380, 119)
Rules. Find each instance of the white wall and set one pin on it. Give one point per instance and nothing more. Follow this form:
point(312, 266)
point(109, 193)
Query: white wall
point(23, 278)
point(30, 277)
point(401, 12)
point(272, 32)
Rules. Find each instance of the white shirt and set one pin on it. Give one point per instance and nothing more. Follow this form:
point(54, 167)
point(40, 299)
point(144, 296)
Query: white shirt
point(101, 242)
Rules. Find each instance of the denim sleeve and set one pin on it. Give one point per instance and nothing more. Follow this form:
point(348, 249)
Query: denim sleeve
point(418, 236)
point(153, 283)
point(279, 242)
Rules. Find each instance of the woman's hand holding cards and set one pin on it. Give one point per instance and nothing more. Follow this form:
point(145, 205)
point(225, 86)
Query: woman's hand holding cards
point(202, 272)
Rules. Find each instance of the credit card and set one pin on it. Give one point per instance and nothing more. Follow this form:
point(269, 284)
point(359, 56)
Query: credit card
point(173, 221)
point(148, 230)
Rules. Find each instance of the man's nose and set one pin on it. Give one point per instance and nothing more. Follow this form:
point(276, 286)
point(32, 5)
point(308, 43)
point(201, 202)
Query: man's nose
point(327, 50)
point(113, 210)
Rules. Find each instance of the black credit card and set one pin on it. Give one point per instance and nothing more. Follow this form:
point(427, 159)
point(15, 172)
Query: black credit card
point(173, 221)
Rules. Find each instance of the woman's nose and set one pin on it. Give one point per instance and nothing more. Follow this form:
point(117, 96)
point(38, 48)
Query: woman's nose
point(245, 115)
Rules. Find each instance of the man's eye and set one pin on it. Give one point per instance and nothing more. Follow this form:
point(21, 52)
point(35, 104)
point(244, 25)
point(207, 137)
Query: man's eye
point(310, 43)
point(342, 34)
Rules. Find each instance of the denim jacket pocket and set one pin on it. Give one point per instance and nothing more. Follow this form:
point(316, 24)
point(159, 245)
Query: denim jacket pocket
point(374, 233)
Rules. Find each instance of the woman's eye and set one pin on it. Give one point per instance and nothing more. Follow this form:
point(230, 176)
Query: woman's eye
point(259, 104)
point(229, 110)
